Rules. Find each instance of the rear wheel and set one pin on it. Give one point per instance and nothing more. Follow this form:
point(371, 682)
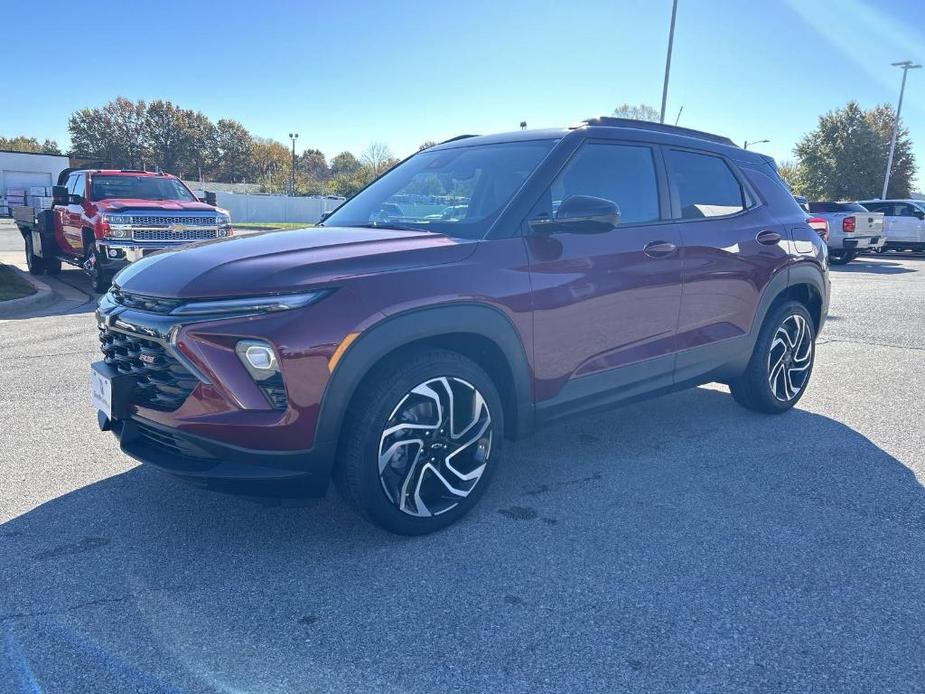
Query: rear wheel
point(421, 443)
point(35, 264)
point(780, 366)
point(52, 266)
point(842, 257)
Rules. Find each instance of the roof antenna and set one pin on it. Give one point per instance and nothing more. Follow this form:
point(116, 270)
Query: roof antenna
point(679, 115)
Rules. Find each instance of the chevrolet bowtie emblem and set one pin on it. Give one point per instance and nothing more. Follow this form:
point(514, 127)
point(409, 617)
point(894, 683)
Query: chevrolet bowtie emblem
point(177, 227)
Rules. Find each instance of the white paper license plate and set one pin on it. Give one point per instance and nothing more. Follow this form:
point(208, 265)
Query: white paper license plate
point(101, 392)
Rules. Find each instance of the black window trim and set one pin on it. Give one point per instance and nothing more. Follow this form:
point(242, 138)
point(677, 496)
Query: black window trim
point(751, 199)
point(661, 181)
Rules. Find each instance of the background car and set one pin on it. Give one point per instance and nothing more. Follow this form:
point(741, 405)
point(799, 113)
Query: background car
point(903, 222)
point(852, 228)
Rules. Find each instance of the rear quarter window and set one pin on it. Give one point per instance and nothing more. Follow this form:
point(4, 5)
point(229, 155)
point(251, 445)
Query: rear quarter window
point(704, 184)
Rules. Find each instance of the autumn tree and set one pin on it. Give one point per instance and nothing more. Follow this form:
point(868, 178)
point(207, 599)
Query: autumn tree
point(21, 143)
point(637, 112)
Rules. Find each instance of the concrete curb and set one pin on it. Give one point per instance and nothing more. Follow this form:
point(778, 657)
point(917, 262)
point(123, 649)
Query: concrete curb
point(44, 296)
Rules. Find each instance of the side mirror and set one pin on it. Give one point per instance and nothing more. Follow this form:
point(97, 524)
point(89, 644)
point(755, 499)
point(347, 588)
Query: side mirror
point(324, 216)
point(59, 195)
point(211, 198)
point(920, 214)
point(75, 199)
point(580, 214)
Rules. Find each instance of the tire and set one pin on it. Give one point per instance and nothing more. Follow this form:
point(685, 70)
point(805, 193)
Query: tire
point(100, 280)
point(841, 257)
point(53, 266)
point(794, 352)
point(35, 264)
point(415, 488)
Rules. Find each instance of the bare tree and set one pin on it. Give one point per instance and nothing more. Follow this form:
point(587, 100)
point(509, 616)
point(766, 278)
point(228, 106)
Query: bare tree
point(637, 112)
point(378, 157)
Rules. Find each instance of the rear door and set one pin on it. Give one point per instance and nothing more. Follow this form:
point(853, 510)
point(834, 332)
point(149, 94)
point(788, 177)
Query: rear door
point(909, 227)
point(731, 248)
point(605, 304)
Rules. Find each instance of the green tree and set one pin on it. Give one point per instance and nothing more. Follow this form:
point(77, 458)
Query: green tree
point(21, 143)
point(789, 171)
point(313, 165)
point(844, 158)
point(345, 163)
point(235, 146)
point(167, 136)
point(271, 160)
point(114, 133)
point(202, 154)
point(637, 112)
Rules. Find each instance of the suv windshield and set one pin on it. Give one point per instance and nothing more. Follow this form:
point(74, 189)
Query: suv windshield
point(458, 191)
point(139, 188)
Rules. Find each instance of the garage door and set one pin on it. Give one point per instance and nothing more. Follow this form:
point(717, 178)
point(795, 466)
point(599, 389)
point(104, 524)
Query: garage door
point(24, 179)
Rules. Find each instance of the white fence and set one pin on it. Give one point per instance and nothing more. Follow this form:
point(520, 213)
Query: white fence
point(275, 208)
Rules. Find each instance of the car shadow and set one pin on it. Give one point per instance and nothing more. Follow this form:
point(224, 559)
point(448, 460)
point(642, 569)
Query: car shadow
point(679, 544)
point(72, 295)
point(867, 264)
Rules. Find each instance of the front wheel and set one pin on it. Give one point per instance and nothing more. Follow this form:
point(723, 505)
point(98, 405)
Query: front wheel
point(99, 277)
point(421, 442)
point(780, 366)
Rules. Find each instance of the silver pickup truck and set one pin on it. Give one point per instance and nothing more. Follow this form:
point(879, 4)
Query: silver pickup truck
point(904, 222)
point(852, 229)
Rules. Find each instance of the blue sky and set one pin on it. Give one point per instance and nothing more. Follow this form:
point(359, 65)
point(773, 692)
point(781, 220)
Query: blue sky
point(346, 73)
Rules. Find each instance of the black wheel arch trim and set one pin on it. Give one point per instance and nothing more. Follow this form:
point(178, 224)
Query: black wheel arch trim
point(414, 325)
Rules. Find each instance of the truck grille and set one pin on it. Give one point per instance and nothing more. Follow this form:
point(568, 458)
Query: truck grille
point(161, 382)
point(163, 220)
point(165, 235)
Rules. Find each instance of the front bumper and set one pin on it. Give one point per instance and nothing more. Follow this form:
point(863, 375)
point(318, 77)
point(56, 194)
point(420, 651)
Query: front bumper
point(128, 251)
point(218, 465)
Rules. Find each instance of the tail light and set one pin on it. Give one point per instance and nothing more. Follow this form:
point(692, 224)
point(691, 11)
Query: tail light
point(848, 225)
point(820, 225)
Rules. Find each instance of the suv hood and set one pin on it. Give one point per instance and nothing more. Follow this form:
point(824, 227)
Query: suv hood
point(278, 262)
point(116, 204)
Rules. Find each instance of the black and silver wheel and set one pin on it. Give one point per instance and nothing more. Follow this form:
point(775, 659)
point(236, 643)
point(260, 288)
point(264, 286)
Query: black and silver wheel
point(423, 443)
point(782, 362)
point(100, 279)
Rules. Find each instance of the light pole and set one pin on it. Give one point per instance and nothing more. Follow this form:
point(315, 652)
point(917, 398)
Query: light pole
point(754, 142)
point(293, 137)
point(674, 13)
point(906, 65)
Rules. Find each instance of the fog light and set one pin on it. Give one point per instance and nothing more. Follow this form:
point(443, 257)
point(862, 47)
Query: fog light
point(113, 253)
point(258, 358)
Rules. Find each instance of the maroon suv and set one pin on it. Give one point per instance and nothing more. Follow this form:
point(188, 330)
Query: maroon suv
point(479, 290)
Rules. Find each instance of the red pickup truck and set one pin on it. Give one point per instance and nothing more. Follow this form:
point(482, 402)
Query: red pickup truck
point(102, 219)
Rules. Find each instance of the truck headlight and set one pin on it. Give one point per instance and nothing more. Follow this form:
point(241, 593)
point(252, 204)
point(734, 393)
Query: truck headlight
point(117, 218)
point(222, 220)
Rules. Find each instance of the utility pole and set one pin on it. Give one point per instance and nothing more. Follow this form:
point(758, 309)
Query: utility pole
point(293, 137)
point(674, 13)
point(906, 65)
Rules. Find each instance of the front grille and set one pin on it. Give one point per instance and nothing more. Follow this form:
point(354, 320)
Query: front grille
point(165, 235)
point(144, 303)
point(161, 382)
point(173, 445)
point(164, 220)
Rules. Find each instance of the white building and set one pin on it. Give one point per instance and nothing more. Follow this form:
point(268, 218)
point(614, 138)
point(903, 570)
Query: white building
point(21, 171)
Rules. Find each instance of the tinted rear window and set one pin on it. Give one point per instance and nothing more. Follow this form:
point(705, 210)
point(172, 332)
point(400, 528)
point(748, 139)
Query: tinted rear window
point(705, 185)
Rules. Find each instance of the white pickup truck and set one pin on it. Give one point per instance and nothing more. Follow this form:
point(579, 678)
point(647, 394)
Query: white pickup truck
point(852, 229)
point(904, 223)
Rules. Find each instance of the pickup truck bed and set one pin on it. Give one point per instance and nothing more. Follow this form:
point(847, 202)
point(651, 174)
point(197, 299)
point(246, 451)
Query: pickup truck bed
point(852, 228)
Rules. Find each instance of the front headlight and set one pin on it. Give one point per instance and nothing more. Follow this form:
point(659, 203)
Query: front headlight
point(257, 304)
point(222, 220)
point(117, 218)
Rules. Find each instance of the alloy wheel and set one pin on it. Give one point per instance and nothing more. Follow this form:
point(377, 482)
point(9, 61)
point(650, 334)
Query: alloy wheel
point(790, 357)
point(435, 446)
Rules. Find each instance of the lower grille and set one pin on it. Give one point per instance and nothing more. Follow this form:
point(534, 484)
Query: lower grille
point(161, 382)
point(171, 444)
point(165, 235)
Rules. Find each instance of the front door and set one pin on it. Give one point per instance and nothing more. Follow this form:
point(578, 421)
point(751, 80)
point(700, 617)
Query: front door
point(72, 216)
point(605, 303)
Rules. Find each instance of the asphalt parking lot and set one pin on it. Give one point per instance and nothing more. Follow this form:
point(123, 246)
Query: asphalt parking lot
point(678, 544)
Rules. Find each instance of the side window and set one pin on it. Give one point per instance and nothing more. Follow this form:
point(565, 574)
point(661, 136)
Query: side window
point(71, 180)
point(905, 210)
point(80, 185)
point(705, 185)
point(624, 174)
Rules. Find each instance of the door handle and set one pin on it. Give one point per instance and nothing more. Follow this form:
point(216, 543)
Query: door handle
point(768, 238)
point(659, 249)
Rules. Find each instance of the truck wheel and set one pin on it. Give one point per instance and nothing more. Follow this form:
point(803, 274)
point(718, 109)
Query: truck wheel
point(782, 362)
point(841, 257)
point(99, 278)
point(36, 265)
point(421, 442)
point(52, 266)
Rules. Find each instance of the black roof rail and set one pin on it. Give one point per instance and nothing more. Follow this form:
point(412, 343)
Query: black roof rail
point(615, 122)
point(458, 137)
